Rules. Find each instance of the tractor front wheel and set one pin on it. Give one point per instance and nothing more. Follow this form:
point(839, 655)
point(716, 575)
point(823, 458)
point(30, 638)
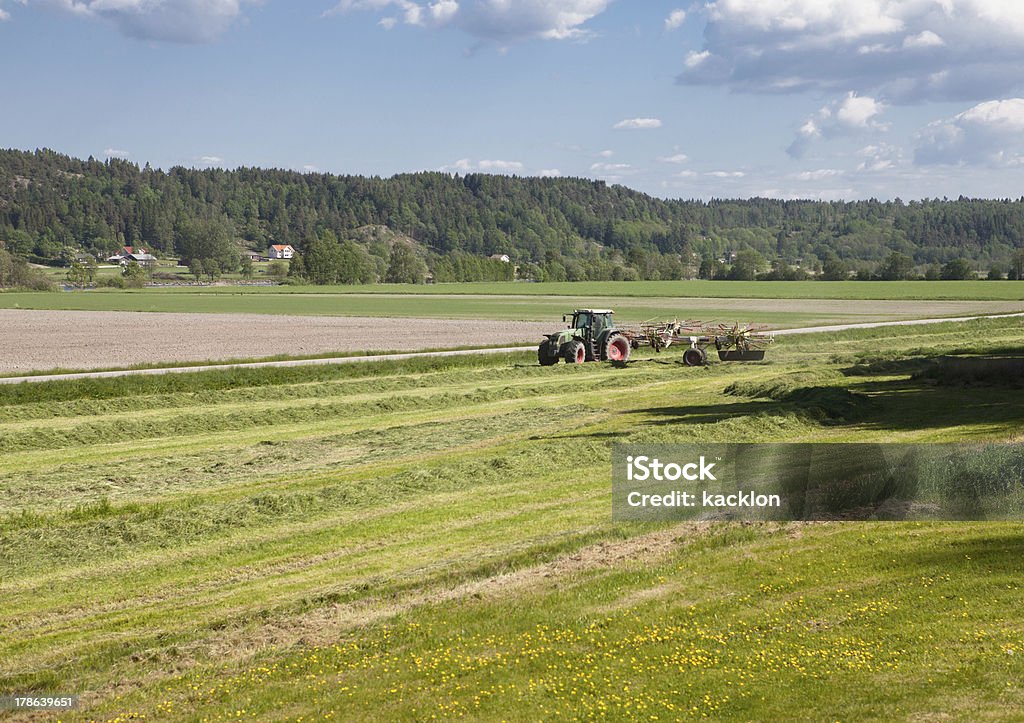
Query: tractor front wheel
point(617, 348)
point(574, 352)
point(695, 357)
point(544, 355)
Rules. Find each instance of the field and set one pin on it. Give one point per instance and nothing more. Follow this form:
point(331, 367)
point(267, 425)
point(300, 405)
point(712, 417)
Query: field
point(783, 306)
point(35, 340)
point(879, 290)
point(409, 540)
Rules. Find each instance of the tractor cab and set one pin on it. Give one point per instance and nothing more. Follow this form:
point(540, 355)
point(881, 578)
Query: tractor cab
point(591, 323)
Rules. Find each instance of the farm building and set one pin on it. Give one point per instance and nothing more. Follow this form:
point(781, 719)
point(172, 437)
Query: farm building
point(133, 253)
point(279, 251)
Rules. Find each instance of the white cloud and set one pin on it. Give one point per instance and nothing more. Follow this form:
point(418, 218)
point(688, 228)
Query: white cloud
point(500, 166)
point(310, 168)
point(899, 50)
point(817, 175)
point(675, 158)
point(466, 165)
point(4, 15)
point(675, 19)
point(924, 39)
point(211, 160)
point(989, 133)
point(638, 124)
point(695, 59)
point(687, 174)
point(880, 157)
point(607, 153)
point(501, 21)
point(725, 174)
point(852, 115)
point(173, 21)
point(610, 167)
point(115, 153)
point(388, 23)
point(549, 173)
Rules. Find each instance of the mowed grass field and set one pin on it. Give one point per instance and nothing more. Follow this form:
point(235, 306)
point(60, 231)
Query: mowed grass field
point(433, 538)
point(780, 304)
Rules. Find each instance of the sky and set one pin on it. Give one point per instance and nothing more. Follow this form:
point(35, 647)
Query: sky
point(820, 99)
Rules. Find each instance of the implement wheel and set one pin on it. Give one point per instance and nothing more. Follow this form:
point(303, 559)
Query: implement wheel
point(617, 348)
point(695, 357)
point(574, 352)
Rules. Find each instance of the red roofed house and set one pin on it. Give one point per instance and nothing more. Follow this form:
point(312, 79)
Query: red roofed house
point(278, 251)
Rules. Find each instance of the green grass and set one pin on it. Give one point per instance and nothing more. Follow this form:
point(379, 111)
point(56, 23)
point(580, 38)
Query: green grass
point(433, 537)
point(878, 290)
point(797, 304)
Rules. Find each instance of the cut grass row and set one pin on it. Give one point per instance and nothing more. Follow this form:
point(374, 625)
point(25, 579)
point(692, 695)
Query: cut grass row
point(384, 554)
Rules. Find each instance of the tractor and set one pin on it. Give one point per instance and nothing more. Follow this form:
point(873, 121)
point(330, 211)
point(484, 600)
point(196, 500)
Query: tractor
point(592, 336)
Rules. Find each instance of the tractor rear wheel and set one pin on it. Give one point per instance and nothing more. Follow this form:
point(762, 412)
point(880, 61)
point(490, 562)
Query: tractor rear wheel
point(574, 352)
point(544, 355)
point(695, 357)
point(616, 348)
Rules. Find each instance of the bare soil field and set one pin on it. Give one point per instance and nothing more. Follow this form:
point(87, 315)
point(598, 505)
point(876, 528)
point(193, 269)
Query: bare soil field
point(33, 340)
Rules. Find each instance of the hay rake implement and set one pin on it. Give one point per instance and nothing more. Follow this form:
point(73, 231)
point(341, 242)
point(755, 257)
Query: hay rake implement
point(733, 342)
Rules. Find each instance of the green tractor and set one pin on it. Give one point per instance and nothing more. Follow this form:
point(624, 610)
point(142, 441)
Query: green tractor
point(591, 337)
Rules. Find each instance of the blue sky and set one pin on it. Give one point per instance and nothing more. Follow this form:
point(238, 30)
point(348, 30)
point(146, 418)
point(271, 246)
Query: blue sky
point(729, 98)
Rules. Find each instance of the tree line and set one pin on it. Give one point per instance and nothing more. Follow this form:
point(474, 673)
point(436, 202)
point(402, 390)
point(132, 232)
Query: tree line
point(54, 208)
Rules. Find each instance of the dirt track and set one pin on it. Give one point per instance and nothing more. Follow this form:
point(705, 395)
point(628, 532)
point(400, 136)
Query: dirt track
point(40, 340)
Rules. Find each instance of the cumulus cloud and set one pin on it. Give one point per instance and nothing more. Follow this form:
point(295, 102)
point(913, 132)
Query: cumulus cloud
point(173, 21)
point(675, 19)
point(638, 124)
point(607, 153)
point(899, 50)
point(988, 133)
point(115, 153)
point(4, 15)
point(852, 115)
point(500, 21)
point(880, 157)
point(211, 160)
point(725, 174)
point(549, 173)
point(610, 167)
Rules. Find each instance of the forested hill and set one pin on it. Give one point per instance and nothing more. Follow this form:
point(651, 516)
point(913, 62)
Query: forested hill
point(54, 206)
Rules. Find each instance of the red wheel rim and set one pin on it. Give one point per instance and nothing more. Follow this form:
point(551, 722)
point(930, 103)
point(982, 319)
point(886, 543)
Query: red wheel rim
point(581, 355)
point(617, 350)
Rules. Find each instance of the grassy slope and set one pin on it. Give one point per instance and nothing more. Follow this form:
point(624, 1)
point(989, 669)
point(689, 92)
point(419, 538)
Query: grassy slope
point(433, 537)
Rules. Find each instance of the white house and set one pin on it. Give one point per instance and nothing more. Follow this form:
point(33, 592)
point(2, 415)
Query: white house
point(279, 251)
point(501, 257)
point(133, 253)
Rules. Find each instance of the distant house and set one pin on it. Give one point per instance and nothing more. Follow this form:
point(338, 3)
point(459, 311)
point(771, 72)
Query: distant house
point(501, 257)
point(133, 253)
point(278, 251)
point(252, 256)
